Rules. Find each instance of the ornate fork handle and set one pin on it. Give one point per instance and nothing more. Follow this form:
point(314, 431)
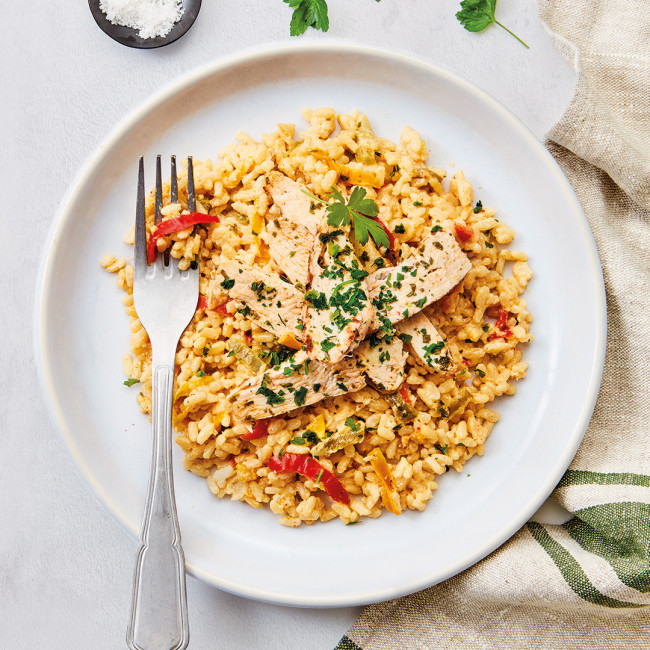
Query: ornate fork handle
point(165, 298)
point(159, 613)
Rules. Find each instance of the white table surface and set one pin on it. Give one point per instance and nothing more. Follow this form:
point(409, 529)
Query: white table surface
point(65, 564)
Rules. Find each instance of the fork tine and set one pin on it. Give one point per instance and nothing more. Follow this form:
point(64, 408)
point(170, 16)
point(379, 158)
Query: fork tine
point(159, 194)
point(174, 183)
point(191, 197)
point(140, 254)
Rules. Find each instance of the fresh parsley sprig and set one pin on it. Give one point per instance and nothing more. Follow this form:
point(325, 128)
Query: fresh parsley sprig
point(476, 15)
point(308, 13)
point(359, 211)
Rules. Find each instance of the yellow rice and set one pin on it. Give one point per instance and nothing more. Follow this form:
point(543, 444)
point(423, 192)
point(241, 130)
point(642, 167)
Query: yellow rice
point(416, 196)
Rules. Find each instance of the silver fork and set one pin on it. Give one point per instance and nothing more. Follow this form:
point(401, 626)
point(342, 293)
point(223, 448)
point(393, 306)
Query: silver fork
point(165, 299)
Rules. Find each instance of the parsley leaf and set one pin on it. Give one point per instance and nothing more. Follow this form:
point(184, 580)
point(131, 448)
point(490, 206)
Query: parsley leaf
point(130, 381)
point(308, 13)
point(476, 15)
point(359, 211)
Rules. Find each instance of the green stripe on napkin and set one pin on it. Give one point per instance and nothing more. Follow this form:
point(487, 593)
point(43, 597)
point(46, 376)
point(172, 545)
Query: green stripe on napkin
point(620, 534)
point(347, 644)
point(571, 570)
point(575, 477)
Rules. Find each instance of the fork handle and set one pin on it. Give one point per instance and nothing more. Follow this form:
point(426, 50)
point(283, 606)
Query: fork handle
point(159, 608)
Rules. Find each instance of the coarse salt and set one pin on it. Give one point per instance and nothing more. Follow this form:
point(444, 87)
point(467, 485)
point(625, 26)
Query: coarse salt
point(150, 17)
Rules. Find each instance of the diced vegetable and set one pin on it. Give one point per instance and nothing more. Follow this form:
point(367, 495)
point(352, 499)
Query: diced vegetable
point(464, 233)
point(246, 355)
point(354, 176)
point(290, 341)
point(342, 438)
point(219, 309)
point(260, 430)
point(307, 466)
point(187, 387)
point(389, 495)
point(258, 223)
point(402, 409)
point(501, 329)
point(457, 406)
point(365, 153)
point(175, 224)
point(317, 425)
point(404, 392)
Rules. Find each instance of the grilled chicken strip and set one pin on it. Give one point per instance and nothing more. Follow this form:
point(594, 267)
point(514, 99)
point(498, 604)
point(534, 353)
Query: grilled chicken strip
point(290, 235)
point(337, 308)
point(426, 344)
point(383, 362)
point(297, 382)
point(430, 272)
point(275, 304)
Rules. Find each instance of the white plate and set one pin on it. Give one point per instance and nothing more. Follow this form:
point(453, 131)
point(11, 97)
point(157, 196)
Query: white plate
point(83, 331)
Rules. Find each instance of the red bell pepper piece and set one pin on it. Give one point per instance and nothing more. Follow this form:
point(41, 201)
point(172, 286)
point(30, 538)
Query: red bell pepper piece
point(501, 329)
point(220, 309)
point(260, 430)
point(404, 392)
point(307, 466)
point(463, 231)
point(175, 224)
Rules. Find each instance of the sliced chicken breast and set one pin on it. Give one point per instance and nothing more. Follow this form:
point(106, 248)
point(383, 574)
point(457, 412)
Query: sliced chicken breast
point(291, 229)
point(426, 344)
point(297, 382)
point(295, 205)
point(274, 304)
point(431, 271)
point(383, 362)
point(337, 310)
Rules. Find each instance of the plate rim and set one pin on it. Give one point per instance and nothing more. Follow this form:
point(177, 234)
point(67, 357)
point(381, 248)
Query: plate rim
point(222, 64)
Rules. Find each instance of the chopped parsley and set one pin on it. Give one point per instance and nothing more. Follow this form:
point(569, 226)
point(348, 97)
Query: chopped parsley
point(228, 284)
point(200, 373)
point(130, 381)
point(271, 397)
point(317, 299)
point(478, 207)
point(326, 346)
point(300, 395)
point(352, 423)
point(436, 228)
point(399, 229)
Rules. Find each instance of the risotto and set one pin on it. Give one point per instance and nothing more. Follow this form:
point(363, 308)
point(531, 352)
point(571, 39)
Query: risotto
point(359, 313)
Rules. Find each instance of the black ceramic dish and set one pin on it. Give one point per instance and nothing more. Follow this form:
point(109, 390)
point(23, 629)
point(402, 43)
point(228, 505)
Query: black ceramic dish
point(129, 36)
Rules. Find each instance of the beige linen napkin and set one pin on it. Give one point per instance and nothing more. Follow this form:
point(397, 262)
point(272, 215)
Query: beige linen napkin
point(585, 584)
